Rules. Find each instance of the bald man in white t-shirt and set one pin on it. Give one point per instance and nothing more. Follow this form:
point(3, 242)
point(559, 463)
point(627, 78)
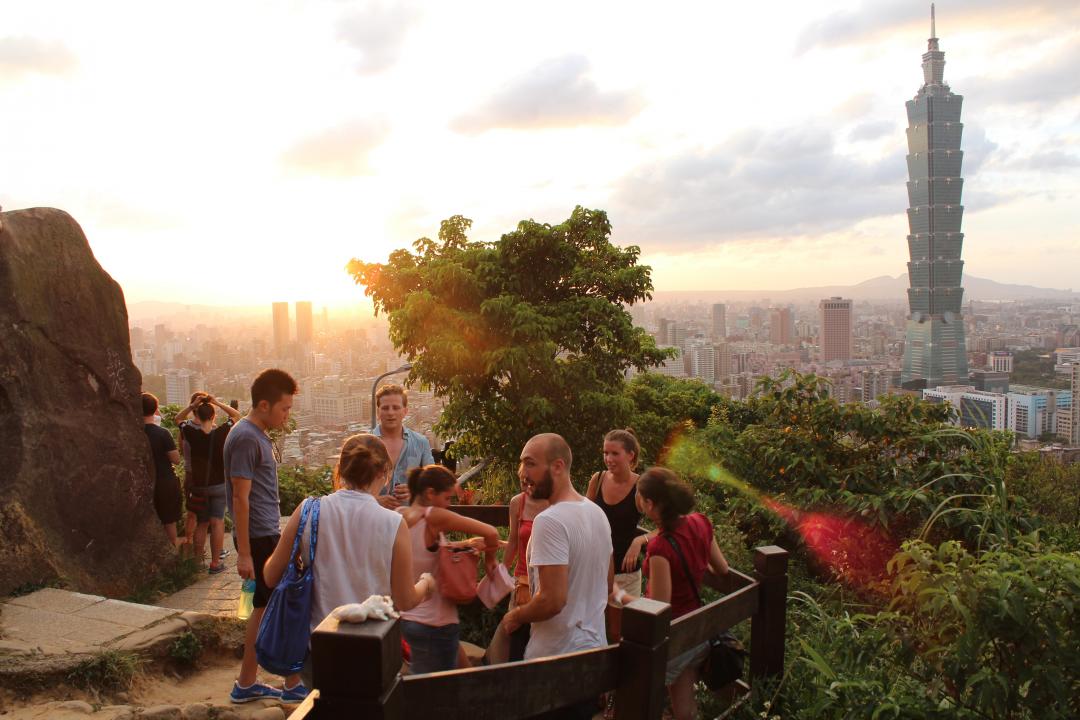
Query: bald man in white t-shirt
point(569, 555)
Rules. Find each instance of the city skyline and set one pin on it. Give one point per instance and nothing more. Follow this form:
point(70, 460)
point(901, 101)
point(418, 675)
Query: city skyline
point(384, 119)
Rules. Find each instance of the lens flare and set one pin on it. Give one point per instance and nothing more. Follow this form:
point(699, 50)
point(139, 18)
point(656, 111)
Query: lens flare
point(847, 547)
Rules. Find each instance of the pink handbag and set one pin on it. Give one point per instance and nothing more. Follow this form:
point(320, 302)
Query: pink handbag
point(456, 573)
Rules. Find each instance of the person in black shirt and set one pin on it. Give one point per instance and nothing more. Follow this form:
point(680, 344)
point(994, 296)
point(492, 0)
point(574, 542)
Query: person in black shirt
point(165, 454)
point(205, 484)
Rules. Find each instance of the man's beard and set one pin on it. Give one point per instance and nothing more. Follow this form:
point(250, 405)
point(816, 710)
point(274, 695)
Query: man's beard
point(543, 489)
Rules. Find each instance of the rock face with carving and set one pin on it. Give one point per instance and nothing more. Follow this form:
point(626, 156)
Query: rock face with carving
point(76, 479)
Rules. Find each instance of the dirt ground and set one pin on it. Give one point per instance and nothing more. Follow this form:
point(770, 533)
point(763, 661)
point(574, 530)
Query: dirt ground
point(209, 683)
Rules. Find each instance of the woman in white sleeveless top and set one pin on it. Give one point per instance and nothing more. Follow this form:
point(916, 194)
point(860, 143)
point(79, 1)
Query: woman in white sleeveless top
point(431, 628)
point(363, 549)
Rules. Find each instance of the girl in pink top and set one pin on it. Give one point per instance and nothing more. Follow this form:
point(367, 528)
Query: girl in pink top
point(431, 628)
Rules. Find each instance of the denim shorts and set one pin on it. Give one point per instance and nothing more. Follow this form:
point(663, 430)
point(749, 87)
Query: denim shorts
point(214, 505)
point(433, 648)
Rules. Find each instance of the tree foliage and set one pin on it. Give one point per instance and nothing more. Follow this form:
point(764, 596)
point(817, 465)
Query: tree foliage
point(523, 335)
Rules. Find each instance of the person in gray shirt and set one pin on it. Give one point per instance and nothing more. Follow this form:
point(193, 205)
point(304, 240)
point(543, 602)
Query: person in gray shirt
point(251, 490)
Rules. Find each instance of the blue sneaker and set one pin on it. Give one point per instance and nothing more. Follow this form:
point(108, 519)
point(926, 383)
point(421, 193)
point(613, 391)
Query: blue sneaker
point(294, 694)
point(256, 691)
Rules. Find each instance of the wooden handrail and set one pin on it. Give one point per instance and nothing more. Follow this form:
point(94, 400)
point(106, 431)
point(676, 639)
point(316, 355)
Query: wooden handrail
point(511, 691)
point(698, 626)
point(356, 667)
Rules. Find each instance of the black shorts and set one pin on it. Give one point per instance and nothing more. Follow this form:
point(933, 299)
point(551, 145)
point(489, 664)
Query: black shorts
point(167, 499)
point(261, 550)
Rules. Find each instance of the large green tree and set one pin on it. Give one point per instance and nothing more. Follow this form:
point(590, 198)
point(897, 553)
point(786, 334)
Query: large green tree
point(523, 335)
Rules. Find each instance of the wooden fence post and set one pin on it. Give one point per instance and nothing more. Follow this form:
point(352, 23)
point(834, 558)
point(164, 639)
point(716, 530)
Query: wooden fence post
point(768, 625)
point(646, 625)
point(356, 670)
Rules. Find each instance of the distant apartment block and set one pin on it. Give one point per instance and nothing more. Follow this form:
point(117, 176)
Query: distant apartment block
point(973, 408)
point(1067, 355)
point(702, 362)
point(335, 401)
point(835, 334)
point(722, 354)
point(979, 409)
point(1036, 412)
point(719, 321)
point(990, 380)
point(781, 326)
point(874, 384)
point(1001, 361)
point(181, 384)
point(1074, 416)
point(673, 366)
point(144, 360)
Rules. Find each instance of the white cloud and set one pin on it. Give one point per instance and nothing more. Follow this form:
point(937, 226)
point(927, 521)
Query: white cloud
point(23, 54)
point(378, 32)
point(556, 93)
point(339, 151)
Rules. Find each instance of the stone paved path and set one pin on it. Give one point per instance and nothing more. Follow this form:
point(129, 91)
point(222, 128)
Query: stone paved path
point(212, 594)
point(61, 622)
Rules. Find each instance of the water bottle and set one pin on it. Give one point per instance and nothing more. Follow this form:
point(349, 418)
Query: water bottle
point(247, 599)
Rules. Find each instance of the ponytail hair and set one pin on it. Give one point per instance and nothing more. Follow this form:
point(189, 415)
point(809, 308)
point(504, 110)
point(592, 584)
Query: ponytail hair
point(363, 459)
point(671, 495)
point(629, 441)
point(435, 477)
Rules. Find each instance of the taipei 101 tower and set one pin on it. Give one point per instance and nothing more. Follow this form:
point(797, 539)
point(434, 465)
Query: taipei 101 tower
point(934, 352)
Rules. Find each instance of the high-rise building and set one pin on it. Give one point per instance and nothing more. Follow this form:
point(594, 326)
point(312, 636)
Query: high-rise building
point(281, 326)
point(719, 321)
point(781, 326)
point(702, 360)
point(722, 354)
point(673, 366)
point(875, 383)
point(305, 329)
point(835, 337)
point(181, 384)
point(934, 351)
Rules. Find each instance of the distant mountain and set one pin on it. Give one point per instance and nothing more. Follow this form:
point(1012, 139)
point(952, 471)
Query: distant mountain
point(883, 287)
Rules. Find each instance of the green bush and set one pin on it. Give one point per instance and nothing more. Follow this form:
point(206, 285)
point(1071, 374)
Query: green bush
point(186, 648)
point(998, 633)
point(296, 483)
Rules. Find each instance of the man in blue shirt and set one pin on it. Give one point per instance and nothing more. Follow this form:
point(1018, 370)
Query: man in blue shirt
point(252, 493)
point(407, 448)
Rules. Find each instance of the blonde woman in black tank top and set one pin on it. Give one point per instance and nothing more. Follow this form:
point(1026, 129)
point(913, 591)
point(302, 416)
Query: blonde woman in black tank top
point(614, 491)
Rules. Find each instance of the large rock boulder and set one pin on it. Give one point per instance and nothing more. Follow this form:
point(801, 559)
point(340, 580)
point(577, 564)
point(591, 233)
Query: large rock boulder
point(76, 478)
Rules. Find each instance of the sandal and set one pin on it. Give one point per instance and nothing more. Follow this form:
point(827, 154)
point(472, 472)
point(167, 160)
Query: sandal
point(609, 706)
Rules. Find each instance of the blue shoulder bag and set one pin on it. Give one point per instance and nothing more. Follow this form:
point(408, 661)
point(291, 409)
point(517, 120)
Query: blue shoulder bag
point(282, 644)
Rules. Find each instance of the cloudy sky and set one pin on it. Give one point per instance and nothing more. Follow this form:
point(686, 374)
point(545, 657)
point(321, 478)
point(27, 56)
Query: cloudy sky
point(741, 145)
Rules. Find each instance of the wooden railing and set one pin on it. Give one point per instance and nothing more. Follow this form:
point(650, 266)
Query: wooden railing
point(357, 667)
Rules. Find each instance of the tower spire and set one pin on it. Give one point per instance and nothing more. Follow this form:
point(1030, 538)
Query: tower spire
point(933, 29)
